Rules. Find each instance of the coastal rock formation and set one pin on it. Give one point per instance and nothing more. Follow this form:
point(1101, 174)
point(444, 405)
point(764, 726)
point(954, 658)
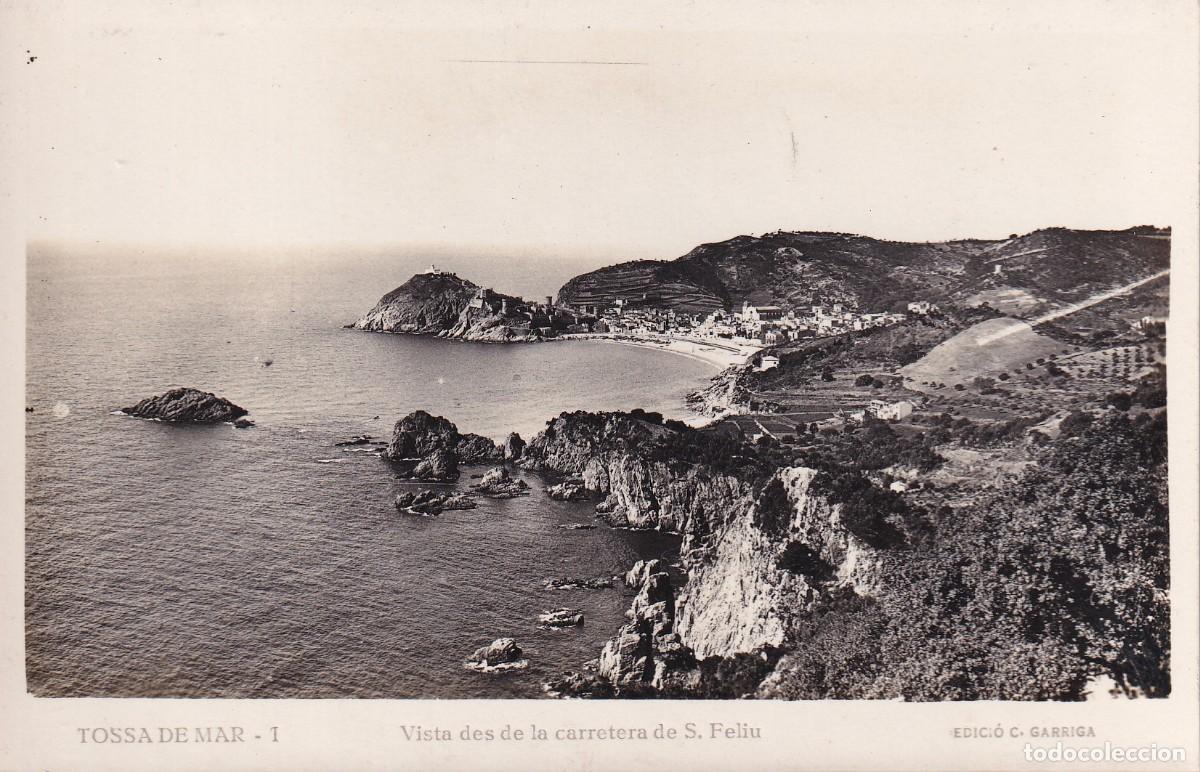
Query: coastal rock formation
point(561, 617)
point(642, 570)
point(499, 484)
point(438, 465)
point(477, 449)
point(514, 447)
point(187, 405)
point(761, 546)
point(428, 303)
point(787, 551)
point(432, 502)
point(567, 583)
point(500, 654)
point(569, 490)
point(615, 457)
point(432, 447)
point(647, 650)
point(439, 303)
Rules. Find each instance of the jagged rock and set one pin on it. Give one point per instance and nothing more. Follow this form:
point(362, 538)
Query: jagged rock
point(500, 654)
point(243, 423)
point(187, 405)
point(641, 571)
point(580, 686)
point(418, 434)
point(613, 454)
point(569, 490)
point(647, 652)
point(476, 449)
point(561, 617)
point(438, 466)
point(432, 503)
point(566, 583)
point(498, 483)
point(438, 447)
point(514, 447)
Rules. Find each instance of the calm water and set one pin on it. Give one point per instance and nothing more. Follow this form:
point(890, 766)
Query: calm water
point(208, 561)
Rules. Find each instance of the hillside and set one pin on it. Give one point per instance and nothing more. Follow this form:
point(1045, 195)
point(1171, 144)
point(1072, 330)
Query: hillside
point(1040, 270)
point(426, 303)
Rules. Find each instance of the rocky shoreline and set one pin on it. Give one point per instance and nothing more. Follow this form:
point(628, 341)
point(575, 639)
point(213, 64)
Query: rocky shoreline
point(738, 525)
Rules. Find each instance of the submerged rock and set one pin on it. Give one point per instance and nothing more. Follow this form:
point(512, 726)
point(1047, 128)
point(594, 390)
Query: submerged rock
point(187, 405)
point(577, 526)
point(567, 583)
point(362, 439)
point(498, 483)
point(500, 654)
point(561, 617)
point(568, 490)
point(243, 423)
point(432, 502)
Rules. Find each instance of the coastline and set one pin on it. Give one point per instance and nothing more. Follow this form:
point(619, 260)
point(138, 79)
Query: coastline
point(721, 356)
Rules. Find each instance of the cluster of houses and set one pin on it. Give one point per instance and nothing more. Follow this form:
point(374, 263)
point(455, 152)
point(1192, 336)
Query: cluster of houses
point(761, 325)
point(772, 325)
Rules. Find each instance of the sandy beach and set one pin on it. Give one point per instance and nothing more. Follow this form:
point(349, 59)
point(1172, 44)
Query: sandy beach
point(719, 355)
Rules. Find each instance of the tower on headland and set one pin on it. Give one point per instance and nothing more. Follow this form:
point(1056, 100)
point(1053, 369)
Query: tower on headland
point(434, 270)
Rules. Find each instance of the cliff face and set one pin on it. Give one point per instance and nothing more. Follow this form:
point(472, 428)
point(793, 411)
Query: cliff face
point(767, 566)
point(759, 549)
point(428, 303)
point(615, 457)
point(799, 269)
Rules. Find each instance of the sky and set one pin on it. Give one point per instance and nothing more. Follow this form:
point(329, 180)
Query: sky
point(562, 129)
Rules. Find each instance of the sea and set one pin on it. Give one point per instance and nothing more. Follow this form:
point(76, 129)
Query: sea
point(207, 561)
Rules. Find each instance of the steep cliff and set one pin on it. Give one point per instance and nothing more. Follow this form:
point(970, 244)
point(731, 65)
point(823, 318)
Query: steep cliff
point(762, 543)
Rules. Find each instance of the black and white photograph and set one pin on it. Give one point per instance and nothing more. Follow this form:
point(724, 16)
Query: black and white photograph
point(644, 363)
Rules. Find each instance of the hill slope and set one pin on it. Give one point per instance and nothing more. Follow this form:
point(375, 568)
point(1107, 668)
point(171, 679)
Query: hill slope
point(1045, 269)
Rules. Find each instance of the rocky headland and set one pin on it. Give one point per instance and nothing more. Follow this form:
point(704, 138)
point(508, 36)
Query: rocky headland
point(186, 405)
point(443, 304)
point(805, 576)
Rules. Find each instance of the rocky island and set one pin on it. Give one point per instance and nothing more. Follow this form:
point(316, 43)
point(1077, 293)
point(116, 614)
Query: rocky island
point(185, 405)
point(439, 303)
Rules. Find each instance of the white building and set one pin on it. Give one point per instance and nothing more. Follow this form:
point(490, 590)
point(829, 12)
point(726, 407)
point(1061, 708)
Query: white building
point(890, 412)
point(768, 362)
